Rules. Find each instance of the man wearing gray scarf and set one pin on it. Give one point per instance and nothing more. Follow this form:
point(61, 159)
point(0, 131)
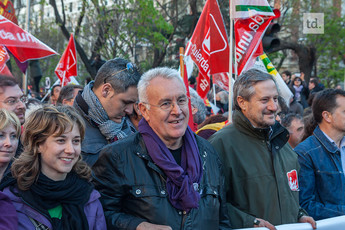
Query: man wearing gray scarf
point(104, 104)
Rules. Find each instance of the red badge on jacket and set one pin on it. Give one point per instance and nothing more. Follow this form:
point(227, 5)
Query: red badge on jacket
point(293, 180)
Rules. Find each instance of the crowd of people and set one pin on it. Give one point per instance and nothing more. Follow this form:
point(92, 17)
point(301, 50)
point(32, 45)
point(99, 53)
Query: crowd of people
point(119, 154)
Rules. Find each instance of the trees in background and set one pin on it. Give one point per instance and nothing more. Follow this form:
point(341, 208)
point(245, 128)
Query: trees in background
point(149, 32)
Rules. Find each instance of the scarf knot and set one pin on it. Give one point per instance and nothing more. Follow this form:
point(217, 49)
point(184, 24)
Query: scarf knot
point(110, 129)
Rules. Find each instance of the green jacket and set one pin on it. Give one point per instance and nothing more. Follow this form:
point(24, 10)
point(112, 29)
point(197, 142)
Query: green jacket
point(256, 171)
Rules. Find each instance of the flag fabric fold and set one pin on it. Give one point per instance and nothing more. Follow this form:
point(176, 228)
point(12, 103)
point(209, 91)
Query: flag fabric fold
point(23, 45)
point(249, 8)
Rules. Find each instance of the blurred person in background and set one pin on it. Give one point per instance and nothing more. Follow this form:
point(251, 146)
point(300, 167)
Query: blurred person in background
point(9, 137)
point(300, 91)
point(198, 108)
point(55, 93)
point(295, 125)
point(211, 125)
point(68, 93)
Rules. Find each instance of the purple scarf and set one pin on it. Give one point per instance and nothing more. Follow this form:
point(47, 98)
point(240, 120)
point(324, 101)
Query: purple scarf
point(182, 182)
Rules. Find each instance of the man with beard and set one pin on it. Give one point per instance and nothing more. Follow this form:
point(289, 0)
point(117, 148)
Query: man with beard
point(322, 158)
point(260, 167)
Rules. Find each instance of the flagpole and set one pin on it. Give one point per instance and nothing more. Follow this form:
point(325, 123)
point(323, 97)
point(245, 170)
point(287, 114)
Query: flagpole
point(181, 62)
point(230, 68)
point(214, 92)
point(63, 78)
point(25, 75)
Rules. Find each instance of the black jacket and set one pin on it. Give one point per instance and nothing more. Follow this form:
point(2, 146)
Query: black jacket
point(133, 189)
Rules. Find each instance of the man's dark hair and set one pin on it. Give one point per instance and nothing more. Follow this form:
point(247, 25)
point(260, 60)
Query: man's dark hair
point(54, 86)
point(314, 81)
point(325, 100)
point(67, 93)
point(7, 81)
point(192, 80)
point(115, 72)
point(244, 86)
point(284, 109)
point(287, 120)
point(287, 73)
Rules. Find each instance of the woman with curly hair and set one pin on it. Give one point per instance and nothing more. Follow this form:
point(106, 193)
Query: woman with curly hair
point(50, 184)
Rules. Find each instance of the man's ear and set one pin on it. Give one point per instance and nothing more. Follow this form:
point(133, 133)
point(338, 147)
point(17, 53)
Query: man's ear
point(327, 116)
point(106, 90)
point(194, 110)
point(242, 103)
point(144, 111)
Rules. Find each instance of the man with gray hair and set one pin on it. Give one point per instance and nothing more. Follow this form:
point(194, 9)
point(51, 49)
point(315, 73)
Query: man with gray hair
point(104, 103)
point(260, 167)
point(164, 176)
point(198, 107)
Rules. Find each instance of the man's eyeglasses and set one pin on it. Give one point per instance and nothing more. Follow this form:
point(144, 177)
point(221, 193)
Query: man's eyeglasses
point(129, 67)
point(169, 105)
point(13, 101)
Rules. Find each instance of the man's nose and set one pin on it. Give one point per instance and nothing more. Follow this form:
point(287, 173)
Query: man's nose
point(272, 105)
point(129, 109)
point(175, 108)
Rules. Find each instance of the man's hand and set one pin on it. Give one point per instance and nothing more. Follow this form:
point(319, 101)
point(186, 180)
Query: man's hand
point(308, 219)
point(264, 223)
point(148, 226)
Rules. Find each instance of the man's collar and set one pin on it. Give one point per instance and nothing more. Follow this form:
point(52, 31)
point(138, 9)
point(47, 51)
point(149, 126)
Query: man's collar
point(342, 141)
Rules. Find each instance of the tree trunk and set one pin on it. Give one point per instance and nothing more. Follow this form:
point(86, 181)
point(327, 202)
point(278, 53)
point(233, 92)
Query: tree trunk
point(66, 33)
point(337, 6)
point(306, 56)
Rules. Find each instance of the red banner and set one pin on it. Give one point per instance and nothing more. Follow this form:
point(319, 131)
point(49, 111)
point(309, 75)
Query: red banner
point(7, 10)
point(208, 46)
point(248, 34)
point(20, 43)
point(222, 80)
point(4, 57)
point(67, 66)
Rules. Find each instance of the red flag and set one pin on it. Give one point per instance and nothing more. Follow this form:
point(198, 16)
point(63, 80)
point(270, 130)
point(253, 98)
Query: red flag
point(67, 66)
point(5, 71)
point(20, 43)
point(4, 57)
point(222, 80)
point(208, 46)
point(248, 34)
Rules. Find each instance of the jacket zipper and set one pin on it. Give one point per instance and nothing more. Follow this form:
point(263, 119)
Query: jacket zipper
point(270, 149)
point(184, 215)
point(47, 217)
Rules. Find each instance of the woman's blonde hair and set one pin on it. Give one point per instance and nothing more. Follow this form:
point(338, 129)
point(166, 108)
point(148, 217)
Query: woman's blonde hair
point(41, 124)
point(9, 118)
